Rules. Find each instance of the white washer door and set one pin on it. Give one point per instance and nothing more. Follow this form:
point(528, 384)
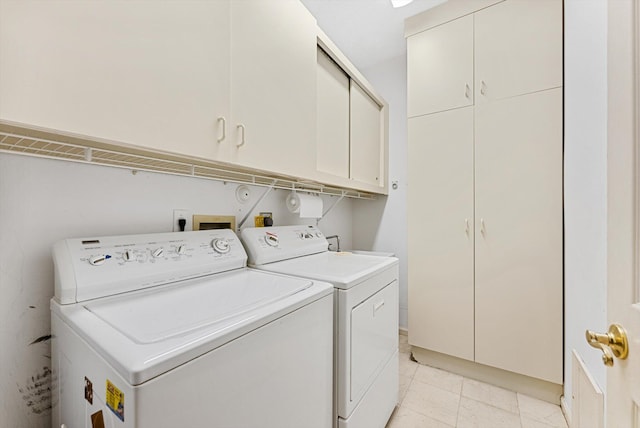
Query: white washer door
point(374, 337)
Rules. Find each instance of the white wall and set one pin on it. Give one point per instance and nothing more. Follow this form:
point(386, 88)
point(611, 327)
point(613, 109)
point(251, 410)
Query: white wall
point(585, 182)
point(42, 201)
point(381, 225)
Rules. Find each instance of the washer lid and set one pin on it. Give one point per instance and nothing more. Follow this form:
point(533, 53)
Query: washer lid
point(146, 333)
point(158, 315)
point(343, 270)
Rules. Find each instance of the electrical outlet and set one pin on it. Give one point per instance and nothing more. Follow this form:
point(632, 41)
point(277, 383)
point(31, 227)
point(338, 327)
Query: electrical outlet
point(182, 214)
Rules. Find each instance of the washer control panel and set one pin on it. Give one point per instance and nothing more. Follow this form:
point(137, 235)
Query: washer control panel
point(98, 267)
point(272, 244)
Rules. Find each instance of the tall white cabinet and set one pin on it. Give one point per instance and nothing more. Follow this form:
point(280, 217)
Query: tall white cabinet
point(485, 185)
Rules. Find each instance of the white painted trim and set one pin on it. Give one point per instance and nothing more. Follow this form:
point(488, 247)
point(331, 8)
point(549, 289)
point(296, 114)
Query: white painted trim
point(537, 388)
point(566, 411)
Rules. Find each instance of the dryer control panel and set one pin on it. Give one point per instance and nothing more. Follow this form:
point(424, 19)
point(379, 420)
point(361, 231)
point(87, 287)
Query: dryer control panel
point(98, 267)
point(273, 244)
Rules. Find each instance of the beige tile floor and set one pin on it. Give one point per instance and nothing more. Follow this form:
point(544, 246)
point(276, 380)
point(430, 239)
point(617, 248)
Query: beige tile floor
point(430, 397)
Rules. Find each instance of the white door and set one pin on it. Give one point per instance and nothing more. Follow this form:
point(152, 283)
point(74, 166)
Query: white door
point(366, 142)
point(440, 68)
point(623, 260)
point(273, 86)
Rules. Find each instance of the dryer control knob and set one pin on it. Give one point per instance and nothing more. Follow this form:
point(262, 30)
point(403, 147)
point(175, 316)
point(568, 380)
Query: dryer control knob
point(129, 256)
point(158, 252)
point(220, 245)
point(181, 249)
point(271, 239)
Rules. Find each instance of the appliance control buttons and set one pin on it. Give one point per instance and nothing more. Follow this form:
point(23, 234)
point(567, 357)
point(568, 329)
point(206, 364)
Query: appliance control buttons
point(308, 235)
point(319, 234)
point(98, 260)
point(271, 239)
point(158, 252)
point(129, 256)
point(220, 245)
point(181, 249)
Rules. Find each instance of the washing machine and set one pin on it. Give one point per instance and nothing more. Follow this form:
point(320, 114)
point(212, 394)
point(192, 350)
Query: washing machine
point(173, 330)
point(365, 316)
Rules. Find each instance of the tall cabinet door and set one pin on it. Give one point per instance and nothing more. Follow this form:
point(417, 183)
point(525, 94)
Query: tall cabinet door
point(518, 48)
point(518, 206)
point(152, 74)
point(273, 86)
point(440, 209)
point(440, 68)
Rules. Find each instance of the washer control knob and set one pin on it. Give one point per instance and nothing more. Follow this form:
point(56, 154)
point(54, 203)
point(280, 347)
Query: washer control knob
point(271, 239)
point(129, 256)
point(319, 234)
point(158, 252)
point(220, 245)
point(98, 260)
point(181, 249)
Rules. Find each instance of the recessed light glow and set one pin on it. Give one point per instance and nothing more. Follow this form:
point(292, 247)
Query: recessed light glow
point(400, 3)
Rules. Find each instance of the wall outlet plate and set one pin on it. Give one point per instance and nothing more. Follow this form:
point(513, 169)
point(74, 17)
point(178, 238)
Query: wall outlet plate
point(182, 214)
point(243, 193)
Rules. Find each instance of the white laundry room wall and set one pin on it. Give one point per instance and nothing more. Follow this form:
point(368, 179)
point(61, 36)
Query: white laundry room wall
point(381, 225)
point(43, 201)
point(585, 183)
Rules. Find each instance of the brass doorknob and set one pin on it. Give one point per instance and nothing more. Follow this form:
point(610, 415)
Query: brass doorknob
point(613, 343)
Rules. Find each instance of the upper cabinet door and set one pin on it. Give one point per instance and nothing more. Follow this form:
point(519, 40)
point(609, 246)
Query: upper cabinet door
point(333, 118)
point(440, 68)
point(152, 74)
point(518, 48)
point(273, 86)
point(366, 138)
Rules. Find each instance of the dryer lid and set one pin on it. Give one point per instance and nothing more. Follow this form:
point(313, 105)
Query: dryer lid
point(343, 270)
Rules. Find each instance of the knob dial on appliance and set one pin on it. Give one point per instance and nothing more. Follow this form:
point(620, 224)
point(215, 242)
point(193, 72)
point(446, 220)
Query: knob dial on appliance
point(158, 252)
point(128, 256)
point(98, 260)
point(220, 245)
point(271, 239)
point(181, 249)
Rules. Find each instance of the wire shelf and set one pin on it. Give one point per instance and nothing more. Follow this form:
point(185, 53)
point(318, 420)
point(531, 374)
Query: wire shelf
point(16, 143)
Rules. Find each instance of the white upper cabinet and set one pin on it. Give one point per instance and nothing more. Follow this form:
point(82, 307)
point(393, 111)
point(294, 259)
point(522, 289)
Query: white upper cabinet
point(230, 81)
point(515, 56)
point(366, 138)
point(440, 68)
point(151, 74)
point(352, 121)
point(333, 118)
point(273, 81)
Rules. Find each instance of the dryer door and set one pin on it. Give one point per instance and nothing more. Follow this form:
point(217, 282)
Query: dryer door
point(374, 338)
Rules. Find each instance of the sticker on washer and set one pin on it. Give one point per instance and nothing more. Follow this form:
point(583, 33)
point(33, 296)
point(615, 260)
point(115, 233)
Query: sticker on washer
point(115, 400)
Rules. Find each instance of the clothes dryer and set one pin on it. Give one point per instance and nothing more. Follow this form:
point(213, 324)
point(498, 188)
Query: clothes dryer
point(365, 314)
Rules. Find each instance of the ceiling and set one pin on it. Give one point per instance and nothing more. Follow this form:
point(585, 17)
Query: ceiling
point(367, 31)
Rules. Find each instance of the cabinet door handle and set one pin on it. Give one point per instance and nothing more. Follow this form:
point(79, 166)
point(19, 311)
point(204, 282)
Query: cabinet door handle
point(377, 307)
point(482, 228)
point(483, 87)
point(467, 90)
point(223, 122)
point(242, 141)
point(466, 226)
